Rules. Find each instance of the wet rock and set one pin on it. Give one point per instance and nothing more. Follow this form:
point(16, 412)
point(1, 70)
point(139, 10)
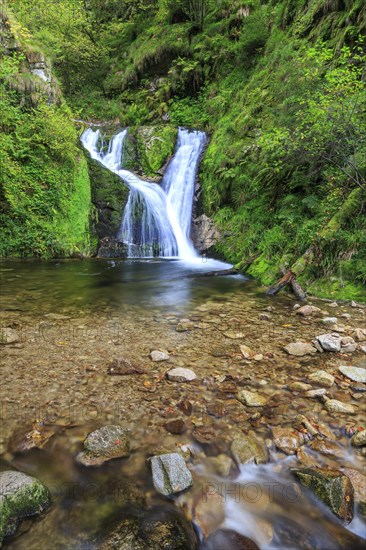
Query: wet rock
point(181, 374)
point(248, 449)
point(322, 378)
point(326, 447)
point(170, 474)
point(348, 348)
point(335, 406)
point(299, 386)
point(246, 352)
point(359, 334)
point(300, 348)
point(9, 336)
point(307, 310)
point(186, 407)
point(357, 374)
point(222, 464)
point(161, 527)
point(251, 399)
point(359, 439)
point(123, 366)
point(157, 355)
point(258, 357)
point(329, 320)
point(208, 510)
point(332, 487)
point(184, 326)
point(234, 335)
point(20, 496)
point(315, 393)
point(228, 539)
point(286, 440)
point(175, 426)
point(104, 444)
point(358, 481)
point(264, 317)
point(204, 434)
point(330, 342)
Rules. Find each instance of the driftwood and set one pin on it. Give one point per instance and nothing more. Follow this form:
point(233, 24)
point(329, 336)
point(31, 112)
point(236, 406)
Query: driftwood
point(219, 273)
point(288, 278)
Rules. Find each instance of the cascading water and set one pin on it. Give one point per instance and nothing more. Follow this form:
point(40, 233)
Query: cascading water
point(157, 218)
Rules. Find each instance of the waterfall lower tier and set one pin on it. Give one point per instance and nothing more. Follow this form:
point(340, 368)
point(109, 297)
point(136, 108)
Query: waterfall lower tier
point(157, 218)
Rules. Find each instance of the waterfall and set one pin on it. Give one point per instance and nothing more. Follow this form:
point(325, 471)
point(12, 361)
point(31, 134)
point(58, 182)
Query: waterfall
point(157, 218)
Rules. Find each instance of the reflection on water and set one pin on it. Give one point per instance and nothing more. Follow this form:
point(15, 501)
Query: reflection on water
point(73, 285)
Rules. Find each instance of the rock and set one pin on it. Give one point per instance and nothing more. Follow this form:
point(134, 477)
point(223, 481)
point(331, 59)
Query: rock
point(184, 326)
point(300, 348)
point(332, 487)
point(333, 304)
point(346, 316)
point(317, 346)
point(234, 335)
point(222, 464)
point(330, 342)
point(315, 393)
point(204, 434)
point(123, 366)
point(335, 406)
point(204, 233)
point(104, 444)
point(359, 334)
point(20, 496)
point(170, 473)
point(251, 399)
point(248, 449)
point(264, 317)
point(326, 447)
point(307, 310)
point(322, 378)
point(347, 340)
point(296, 306)
point(186, 407)
point(175, 426)
point(299, 386)
point(181, 374)
point(286, 440)
point(9, 336)
point(348, 348)
point(329, 320)
point(258, 357)
point(357, 374)
point(157, 355)
point(228, 539)
point(246, 352)
point(359, 439)
point(161, 527)
point(358, 481)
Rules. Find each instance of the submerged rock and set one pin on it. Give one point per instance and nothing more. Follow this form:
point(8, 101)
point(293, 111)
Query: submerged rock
point(357, 374)
point(9, 336)
point(248, 449)
point(170, 473)
point(162, 527)
point(184, 326)
point(104, 444)
point(20, 496)
point(359, 439)
point(332, 487)
point(300, 348)
point(330, 342)
point(181, 375)
point(322, 378)
point(251, 399)
point(333, 405)
point(307, 310)
point(157, 355)
point(230, 540)
point(286, 439)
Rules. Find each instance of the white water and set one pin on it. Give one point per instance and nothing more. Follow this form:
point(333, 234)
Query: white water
point(157, 218)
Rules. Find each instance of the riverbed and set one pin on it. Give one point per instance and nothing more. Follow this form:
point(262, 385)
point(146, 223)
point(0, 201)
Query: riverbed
point(75, 319)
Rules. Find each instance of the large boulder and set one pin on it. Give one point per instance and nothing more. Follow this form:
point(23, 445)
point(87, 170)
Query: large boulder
point(162, 527)
point(332, 487)
point(104, 444)
point(204, 233)
point(20, 496)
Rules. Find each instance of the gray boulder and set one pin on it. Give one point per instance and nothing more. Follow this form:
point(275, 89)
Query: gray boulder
point(104, 444)
point(330, 342)
point(170, 473)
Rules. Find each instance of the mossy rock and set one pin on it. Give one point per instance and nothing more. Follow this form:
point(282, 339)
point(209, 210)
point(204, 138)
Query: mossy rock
point(20, 496)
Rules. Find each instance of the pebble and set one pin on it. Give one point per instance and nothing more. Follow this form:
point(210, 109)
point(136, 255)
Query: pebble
point(333, 405)
point(359, 439)
point(329, 342)
point(315, 393)
point(357, 374)
point(322, 378)
point(329, 320)
point(286, 440)
point(181, 375)
point(299, 386)
point(157, 355)
point(9, 336)
point(300, 348)
point(251, 399)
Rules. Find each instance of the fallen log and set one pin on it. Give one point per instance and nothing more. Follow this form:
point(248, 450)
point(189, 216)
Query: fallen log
point(288, 278)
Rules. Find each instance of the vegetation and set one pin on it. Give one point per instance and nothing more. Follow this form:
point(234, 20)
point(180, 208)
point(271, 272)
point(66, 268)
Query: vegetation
point(278, 85)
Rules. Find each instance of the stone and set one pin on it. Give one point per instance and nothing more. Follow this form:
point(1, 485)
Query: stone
point(234, 335)
point(359, 334)
point(359, 439)
point(175, 426)
point(329, 320)
point(330, 342)
point(264, 317)
point(299, 386)
point(357, 374)
point(251, 399)
point(9, 336)
point(247, 448)
point(204, 233)
point(347, 340)
point(332, 487)
point(286, 440)
point(358, 481)
point(335, 406)
point(186, 407)
point(300, 348)
point(346, 316)
point(246, 352)
point(122, 366)
point(208, 510)
point(181, 374)
point(326, 447)
point(159, 527)
point(322, 378)
point(105, 444)
point(170, 474)
point(258, 357)
point(307, 310)
point(20, 496)
point(315, 393)
point(227, 538)
point(157, 355)
point(222, 464)
point(349, 348)
point(184, 326)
